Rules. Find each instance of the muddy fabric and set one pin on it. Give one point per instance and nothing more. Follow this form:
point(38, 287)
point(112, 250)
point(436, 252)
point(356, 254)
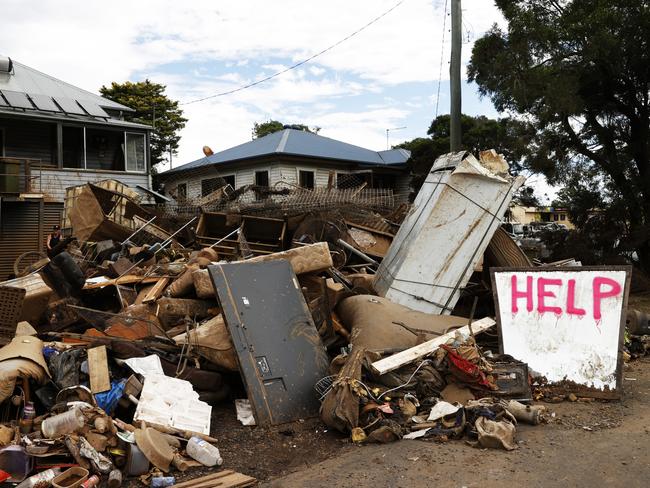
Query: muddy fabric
point(379, 324)
point(26, 347)
point(12, 369)
point(495, 435)
point(340, 407)
point(465, 371)
point(21, 358)
point(455, 393)
point(388, 431)
point(66, 367)
point(184, 284)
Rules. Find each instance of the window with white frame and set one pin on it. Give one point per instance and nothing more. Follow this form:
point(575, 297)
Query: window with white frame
point(103, 149)
point(135, 152)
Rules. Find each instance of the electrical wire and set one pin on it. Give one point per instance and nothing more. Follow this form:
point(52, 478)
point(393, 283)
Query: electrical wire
point(442, 54)
point(300, 63)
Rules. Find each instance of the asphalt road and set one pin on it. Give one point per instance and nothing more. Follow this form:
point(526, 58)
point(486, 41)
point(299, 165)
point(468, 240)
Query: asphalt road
point(586, 444)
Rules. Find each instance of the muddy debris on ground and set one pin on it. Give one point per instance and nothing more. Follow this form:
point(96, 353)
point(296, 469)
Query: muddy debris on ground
point(257, 337)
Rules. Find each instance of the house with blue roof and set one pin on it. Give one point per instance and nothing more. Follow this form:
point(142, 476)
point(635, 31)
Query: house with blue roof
point(290, 158)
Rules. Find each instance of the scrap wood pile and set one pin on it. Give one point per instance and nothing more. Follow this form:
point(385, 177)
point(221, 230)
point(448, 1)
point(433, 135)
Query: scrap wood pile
point(366, 319)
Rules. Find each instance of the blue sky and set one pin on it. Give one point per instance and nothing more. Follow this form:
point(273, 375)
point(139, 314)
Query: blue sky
point(384, 77)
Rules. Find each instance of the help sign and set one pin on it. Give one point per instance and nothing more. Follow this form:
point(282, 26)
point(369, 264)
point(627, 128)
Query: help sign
point(566, 323)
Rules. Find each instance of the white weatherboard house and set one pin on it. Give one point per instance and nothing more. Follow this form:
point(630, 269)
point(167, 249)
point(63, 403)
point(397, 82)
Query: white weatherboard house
point(292, 157)
point(54, 135)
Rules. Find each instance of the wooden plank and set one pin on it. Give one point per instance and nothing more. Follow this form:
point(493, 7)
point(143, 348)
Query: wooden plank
point(124, 280)
point(98, 369)
point(398, 360)
point(156, 291)
point(222, 479)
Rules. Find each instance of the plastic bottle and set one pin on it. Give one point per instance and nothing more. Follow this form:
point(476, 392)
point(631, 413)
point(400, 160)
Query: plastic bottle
point(27, 420)
point(64, 423)
point(162, 481)
point(41, 479)
point(28, 411)
point(203, 452)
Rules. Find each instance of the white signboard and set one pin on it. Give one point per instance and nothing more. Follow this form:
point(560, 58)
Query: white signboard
point(566, 323)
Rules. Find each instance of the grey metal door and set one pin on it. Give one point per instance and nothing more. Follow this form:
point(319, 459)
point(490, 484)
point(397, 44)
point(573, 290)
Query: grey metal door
point(281, 356)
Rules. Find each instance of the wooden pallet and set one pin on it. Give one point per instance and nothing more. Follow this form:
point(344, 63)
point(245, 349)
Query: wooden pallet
point(222, 479)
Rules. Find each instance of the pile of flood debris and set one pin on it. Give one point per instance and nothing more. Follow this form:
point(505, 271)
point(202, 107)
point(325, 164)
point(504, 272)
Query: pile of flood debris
point(117, 347)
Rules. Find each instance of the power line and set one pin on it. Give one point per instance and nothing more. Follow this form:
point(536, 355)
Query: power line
point(304, 61)
point(442, 54)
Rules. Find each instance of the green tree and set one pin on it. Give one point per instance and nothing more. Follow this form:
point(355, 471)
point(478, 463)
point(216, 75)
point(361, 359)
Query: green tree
point(579, 71)
point(269, 127)
point(152, 107)
point(507, 136)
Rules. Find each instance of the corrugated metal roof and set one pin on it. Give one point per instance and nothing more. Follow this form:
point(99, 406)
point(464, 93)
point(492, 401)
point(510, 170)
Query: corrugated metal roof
point(54, 116)
point(28, 80)
point(300, 143)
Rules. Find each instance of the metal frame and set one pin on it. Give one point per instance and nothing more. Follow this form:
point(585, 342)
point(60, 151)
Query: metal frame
point(124, 132)
point(3, 135)
point(579, 390)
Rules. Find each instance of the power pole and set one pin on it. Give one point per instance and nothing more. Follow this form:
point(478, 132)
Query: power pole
point(454, 76)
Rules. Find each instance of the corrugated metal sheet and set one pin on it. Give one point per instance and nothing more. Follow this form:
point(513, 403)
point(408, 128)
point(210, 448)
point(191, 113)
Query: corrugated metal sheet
point(52, 215)
point(19, 232)
point(28, 80)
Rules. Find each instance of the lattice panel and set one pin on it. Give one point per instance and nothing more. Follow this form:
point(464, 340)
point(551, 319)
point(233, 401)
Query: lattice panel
point(11, 306)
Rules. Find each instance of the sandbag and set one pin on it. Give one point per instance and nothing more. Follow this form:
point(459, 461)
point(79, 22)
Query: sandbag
point(213, 342)
point(495, 435)
point(12, 369)
point(378, 324)
point(184, 284)
point(340, 407)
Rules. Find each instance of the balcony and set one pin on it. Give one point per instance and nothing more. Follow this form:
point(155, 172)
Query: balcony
point(16, 176)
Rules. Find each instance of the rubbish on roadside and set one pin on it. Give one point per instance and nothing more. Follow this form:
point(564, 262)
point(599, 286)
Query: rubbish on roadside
point(272, 330)
point(495, 435)
point(222, 479)
point(203, 452)
point(262, 235)
point(143, 328)
point(12, 299)
point(155, 447)
point(172, 402)
point(539, 311)
point(455, 214)
point(21, 358)
point(40, 479)
point(414, 353)
point(70, 478)
point(637, 322)
point(91, 482)
point(442, 409)
point(15, 461)
point(162, 481)
point(244, 411)
point(62, 424)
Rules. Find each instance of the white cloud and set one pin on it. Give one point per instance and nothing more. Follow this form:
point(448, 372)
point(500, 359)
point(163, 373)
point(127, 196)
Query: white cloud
point(91, 43)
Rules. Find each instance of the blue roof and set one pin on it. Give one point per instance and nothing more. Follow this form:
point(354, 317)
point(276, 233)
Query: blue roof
point(300, 143)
